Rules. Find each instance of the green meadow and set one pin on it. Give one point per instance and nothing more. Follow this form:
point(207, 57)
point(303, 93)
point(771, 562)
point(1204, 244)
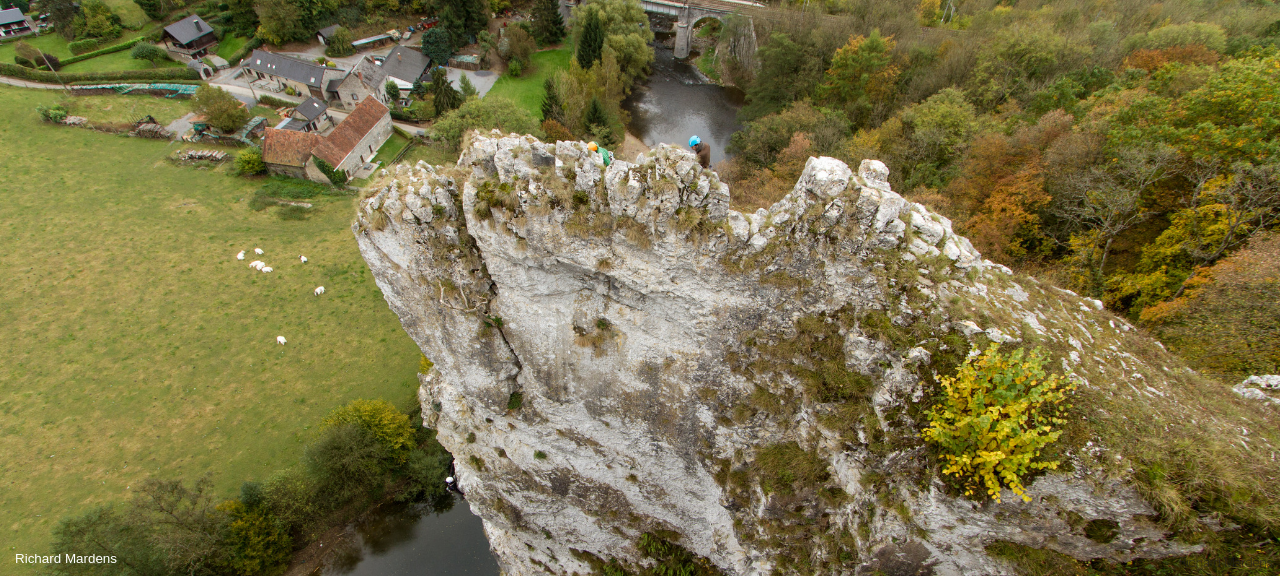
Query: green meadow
point(526, 91)
point(134, 343)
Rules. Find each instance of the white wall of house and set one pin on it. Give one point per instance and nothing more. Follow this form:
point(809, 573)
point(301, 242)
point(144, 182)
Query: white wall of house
point(368, 146)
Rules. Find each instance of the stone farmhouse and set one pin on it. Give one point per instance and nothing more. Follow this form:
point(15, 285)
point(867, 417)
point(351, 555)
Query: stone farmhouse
point(352, 143)
point(304, 77)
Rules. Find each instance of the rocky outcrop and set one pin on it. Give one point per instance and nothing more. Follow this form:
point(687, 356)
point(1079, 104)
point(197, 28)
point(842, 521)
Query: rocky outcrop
point(618, 352)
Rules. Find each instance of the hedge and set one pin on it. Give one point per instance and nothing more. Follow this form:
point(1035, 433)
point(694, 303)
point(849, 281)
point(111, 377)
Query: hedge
point(96, 82)
point(268, 100)
point(81, 46)
point(253, 44)
point(15, 71)
point(108, 50)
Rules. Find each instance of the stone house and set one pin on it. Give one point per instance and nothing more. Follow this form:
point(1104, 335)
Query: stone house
point(310, 116)
point(403, 65)
point(304, 77)
point(352, 143)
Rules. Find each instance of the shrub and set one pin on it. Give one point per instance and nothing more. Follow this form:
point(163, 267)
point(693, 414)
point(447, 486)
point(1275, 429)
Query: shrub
point(786, 468)
point(996, 415)
point(348, 462)
point(108, 50)
point(389, 426)
point(340, 43)
point(149, 52)
point(337, 177)
point(515, 69)
point(269, 100)
point(515, 401)
point(257, 542)
point(222, 110)
point(55, 113)
point(81, 46)
point(540, 455)
point(249, 162)
point(15, 71)
point(485, 113)
point(556, 131)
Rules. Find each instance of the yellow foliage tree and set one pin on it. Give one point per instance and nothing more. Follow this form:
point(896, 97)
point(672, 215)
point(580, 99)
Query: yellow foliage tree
point(996, 415)
point(381, 419)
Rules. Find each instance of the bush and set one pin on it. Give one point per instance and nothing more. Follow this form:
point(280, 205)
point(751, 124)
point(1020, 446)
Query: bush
point(269, 100)
point(347, 462)
point(996, 415)
point(340, 43)
point(485, 114)
point(222, 110)
point(337, 177)
point(249, 162)
point(87, 45)
point(55, 113)
point(378, 417)
point(515, 69)
point(149, 52)
point(556, 131)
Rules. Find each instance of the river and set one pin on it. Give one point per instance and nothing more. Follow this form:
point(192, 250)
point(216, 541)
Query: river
point(415, 540)
point(678, 102)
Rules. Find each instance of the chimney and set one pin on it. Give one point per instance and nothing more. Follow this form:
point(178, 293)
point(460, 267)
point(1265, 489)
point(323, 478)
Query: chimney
point(197, 23)
point(399, 56)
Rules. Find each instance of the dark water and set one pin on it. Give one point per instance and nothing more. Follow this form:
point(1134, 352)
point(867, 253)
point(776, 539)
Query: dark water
point(414, 540)
point(676, 103)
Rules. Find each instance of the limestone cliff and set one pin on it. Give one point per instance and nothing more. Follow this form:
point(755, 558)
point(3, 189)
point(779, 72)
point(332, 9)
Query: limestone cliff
point(617, 352)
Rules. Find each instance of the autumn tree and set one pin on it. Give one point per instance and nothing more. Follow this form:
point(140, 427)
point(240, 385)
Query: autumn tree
point(861, 77)
point(221, 110)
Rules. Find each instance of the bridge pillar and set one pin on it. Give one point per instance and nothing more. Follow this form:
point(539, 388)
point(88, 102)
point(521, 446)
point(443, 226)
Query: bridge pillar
point(684, 29)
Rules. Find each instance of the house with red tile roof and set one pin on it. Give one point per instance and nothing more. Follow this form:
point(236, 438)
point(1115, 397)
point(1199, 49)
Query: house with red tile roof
point(352, 143)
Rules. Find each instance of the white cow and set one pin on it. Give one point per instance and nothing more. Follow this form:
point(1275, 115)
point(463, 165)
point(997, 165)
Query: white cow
point(281, 340)
point(304, 259)
point(319, 290)
point(257, 250)
point(240, 256)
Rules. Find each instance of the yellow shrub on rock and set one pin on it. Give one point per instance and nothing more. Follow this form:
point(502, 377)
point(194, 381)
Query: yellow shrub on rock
point(995, 416)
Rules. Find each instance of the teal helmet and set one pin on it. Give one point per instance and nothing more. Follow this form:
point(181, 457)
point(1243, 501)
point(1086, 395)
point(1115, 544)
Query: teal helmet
point(694, 141)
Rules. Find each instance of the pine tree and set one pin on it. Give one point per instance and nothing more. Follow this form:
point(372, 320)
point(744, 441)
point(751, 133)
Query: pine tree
point(591, 42)
point(552, 109)
point(596, 122)
point(446, 96)
point(548, 25)
point(467, 88)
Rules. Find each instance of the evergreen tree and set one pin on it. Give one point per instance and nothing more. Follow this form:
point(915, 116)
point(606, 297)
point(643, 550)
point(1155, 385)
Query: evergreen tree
point(437, 46)
point(596, 122)
point(591, 42)
point(548, 25)
point(467, 88)
point(552, 109)
point(446, 97)
point(463, 19)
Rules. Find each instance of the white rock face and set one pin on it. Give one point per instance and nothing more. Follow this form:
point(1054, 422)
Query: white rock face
point(612, 337)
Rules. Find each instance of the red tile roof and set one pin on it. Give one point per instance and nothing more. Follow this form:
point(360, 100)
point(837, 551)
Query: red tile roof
point(289, 147)
point(339, 143)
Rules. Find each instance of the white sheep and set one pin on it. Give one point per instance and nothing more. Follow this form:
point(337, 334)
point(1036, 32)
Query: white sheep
point(240, 256)
point(257, 250)
point(281, 340)
point(267, 269)
point(257, 264)
point(319, 290)
point(303, 258)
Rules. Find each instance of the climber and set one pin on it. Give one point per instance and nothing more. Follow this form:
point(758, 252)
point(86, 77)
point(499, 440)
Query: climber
point(451, 484)
point(702, 149)
point(605, 156)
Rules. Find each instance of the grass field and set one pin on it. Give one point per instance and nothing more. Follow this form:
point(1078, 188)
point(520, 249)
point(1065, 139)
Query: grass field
point(108, 108)
point(136, 345)
point(229, 46)
point(56, 45)
point(121, 60)
point(131, 15)
point(390, 148)
point(526, 91)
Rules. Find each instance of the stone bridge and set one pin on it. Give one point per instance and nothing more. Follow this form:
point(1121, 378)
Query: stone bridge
point(687, 14)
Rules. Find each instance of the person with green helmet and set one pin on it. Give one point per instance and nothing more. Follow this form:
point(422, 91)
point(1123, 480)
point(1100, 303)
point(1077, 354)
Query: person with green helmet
point(702, 150)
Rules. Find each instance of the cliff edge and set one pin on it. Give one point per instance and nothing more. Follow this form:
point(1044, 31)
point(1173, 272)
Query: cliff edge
point(618, 353)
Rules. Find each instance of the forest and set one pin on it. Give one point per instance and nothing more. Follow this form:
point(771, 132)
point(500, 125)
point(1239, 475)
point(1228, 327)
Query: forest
point(1125, 149)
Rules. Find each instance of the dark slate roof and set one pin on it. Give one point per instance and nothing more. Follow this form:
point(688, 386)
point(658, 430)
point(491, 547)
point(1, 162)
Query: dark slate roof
point(311, 109)
point(307, 73)
point(405, 63)
point(11, 15)
point(188, 29)
point(333, 85)
point(350, 131)
point(370, 73)
point(328, 31)
point(294, 124)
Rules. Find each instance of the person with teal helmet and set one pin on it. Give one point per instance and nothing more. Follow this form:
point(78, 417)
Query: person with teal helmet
point(702, 150)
